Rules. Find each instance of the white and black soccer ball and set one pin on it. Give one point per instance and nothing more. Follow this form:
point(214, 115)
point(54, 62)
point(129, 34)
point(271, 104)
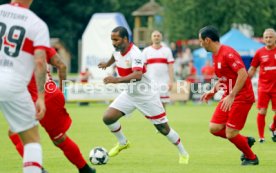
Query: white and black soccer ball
point(98, 156)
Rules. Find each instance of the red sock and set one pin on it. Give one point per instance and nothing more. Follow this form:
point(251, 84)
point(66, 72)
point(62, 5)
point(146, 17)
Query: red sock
point(261, 124)
point(72, 152)
point(241, 143)
point(17, 143)
point(220, 133)
point(273, 125)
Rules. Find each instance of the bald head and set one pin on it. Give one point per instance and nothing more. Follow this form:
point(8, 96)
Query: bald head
point(156, 37)
point(269, 38)
point(23, 2)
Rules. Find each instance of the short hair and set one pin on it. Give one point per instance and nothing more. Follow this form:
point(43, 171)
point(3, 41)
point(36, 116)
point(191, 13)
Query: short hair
point(210, 32)
point(122, 31)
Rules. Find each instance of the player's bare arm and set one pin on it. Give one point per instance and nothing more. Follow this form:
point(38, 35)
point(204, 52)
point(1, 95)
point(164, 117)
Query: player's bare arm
point(171, 76)
point(40, 76)
point(57, 62)
point(135, 76)
point(228, 100)
point(252, 71)
point(104, 65)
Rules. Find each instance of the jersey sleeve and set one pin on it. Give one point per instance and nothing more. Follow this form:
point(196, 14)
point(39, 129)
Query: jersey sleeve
point(51, 52)
point(234, 61)
point(41, 37)
point(137, 61)
point(255, 61)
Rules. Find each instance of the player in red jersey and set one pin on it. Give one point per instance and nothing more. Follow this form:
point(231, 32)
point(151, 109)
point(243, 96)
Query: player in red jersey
point(265, 57)
point(56, 120)
point(231, 112)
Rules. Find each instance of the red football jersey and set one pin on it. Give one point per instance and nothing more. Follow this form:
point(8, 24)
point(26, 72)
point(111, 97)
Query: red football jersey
point(266, 59)
point(227, 62)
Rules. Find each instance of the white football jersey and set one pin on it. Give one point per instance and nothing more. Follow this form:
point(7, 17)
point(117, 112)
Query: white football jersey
point(21, 32)
point(157, 61)
point(127, 63)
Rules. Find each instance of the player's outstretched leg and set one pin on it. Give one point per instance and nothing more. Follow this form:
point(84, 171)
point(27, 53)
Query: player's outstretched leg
point(110, 119)
point(174, 138)
point(122, 144)
point(73, 154)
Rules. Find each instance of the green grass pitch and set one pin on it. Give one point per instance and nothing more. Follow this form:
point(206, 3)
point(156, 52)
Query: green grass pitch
point(149, 152)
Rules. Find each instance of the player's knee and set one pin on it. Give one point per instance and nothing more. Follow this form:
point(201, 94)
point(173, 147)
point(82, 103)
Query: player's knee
point(212, 131)
point(108, 119)
point(262, 112)
point(60, 140)
point(163, 129)
point(231, 133)
point(214, 128)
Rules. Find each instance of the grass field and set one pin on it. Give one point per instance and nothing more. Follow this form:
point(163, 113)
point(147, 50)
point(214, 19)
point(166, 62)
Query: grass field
point(149, 152)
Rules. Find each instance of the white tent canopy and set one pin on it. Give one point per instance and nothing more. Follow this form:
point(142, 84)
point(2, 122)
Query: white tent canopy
point(96, 41)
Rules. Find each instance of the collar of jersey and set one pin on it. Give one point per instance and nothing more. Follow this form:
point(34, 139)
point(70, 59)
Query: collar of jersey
point(128, 49)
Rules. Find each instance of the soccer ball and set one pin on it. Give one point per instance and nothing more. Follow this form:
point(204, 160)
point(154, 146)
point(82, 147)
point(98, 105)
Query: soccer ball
point(98, 156)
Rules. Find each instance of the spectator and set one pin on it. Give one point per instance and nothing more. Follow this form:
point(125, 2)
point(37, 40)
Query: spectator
point(85, 76)
point(208, 72)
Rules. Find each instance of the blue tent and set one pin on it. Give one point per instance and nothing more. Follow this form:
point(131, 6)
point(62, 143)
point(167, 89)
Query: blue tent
point(245, 46)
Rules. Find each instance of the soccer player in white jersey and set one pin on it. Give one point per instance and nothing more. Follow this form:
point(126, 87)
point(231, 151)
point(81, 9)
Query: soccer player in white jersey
point(140, 95)
point(159, 60)
point(23, 39)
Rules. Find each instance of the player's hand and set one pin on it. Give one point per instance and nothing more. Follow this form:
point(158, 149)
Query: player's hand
point(207, 96)
point(110, 79)
point(102, 65)
point(227, 103)
point(170, 86)
point(40, 108)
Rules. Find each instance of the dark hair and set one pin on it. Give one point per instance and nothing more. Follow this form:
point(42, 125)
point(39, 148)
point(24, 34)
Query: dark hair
point(122, 31)
point(210, 32)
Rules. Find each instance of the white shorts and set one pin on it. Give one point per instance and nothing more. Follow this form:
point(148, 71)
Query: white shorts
point(150, 106)
point(19, 112)
point(163, 91)
point(165, 97)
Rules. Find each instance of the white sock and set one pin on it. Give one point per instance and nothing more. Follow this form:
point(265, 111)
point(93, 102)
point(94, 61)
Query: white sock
point(174, 138)
point(115, 128)
point(32, 160)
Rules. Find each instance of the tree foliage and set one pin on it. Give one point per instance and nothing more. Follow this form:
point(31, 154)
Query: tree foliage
point(183, 18)
point(67, 19)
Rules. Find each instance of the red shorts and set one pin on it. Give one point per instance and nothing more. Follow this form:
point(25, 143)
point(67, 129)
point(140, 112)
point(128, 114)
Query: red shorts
point(56, 120)
point(263, 100)
point(235, 118)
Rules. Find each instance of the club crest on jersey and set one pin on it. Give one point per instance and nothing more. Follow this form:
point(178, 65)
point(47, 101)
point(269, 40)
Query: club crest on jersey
point(127, 63)
point(219, 65)
point(275, 56)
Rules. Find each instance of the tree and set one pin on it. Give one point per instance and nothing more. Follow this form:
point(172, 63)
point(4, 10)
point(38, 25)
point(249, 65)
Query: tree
point(183, 18)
